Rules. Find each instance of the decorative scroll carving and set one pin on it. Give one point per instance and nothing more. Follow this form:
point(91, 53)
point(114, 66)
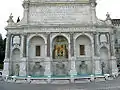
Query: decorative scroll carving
point(103, 38)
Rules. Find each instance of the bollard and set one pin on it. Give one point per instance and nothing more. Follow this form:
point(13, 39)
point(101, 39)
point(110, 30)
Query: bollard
point(14, 78)
point(106, 76)
point(72, 79)
point(49, 80)
point(92, 78)
point(29, 79)
point(6, 78)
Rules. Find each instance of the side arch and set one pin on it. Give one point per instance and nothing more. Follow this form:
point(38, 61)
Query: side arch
point(104, 56)
point(15, 62)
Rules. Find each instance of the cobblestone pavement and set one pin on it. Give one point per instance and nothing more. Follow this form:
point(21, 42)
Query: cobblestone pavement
point(102, 85)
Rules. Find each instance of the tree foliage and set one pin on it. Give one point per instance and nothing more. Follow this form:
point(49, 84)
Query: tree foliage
point(2, 49)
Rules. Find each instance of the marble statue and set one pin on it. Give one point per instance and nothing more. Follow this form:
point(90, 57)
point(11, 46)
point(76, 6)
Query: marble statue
point(83, 68)
point(103, 38)
point(16, 40)
point(103, 67)
point(60, 69)
point(108, 16)
point(17, 69)
point(38, 69)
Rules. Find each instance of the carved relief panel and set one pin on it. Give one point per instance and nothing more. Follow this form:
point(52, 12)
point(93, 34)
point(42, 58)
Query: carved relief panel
point(103, 38)
point(16, 40)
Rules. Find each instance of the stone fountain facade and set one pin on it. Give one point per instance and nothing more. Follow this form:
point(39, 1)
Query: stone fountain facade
point(59, 38)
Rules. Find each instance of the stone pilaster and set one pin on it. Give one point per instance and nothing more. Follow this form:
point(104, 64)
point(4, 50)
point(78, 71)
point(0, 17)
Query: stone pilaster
point(48, 45)
point(71, 44)
point(6, 69)
point(114, 68)
point(27, 62)
point(8, 44)
point(111, 44)
point(93, 12)
point(95, 44)
point(22, 71)
point(24, 45)
point(47, 67)
point(73, 67)
point(26, 12)
point(98, 69)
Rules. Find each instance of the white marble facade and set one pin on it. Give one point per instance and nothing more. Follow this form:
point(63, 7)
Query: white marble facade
point(59, 38)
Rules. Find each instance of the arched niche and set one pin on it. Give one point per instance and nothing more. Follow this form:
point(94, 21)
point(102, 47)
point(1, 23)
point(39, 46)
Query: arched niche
point(83, 53)
point(36, 51)
point(60, 48)
point(36, 43)
point(83, 46)
point(104, 60)
point(15, 65)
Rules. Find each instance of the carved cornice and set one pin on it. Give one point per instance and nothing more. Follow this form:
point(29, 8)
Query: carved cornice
point(58, 2)
point(59, 26)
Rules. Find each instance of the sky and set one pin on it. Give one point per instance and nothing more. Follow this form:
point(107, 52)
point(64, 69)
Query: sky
point(15, 7)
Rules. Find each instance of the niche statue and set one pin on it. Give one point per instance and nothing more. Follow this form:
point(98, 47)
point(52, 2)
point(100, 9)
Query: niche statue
point(83, 68)
point(103, 68)
point(38, 69)
point(17, 69)
point(60, 69)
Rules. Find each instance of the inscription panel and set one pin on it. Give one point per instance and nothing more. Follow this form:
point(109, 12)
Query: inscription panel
point(60, 14)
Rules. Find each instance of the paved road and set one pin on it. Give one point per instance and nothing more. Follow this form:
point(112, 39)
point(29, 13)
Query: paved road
point(103, 85)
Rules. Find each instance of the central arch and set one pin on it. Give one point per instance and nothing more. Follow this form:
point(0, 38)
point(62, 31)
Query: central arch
point(60, 65)
point(60, 48)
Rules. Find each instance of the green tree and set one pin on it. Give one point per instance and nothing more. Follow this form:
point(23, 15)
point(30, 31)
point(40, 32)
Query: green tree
point(2, 51)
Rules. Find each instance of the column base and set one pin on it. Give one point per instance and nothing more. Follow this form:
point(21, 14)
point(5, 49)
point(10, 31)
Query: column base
point(98, 69)
point(6, 68)
point(73, 67)
point(47, 67)
point(22, 71)
point(114, 66)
